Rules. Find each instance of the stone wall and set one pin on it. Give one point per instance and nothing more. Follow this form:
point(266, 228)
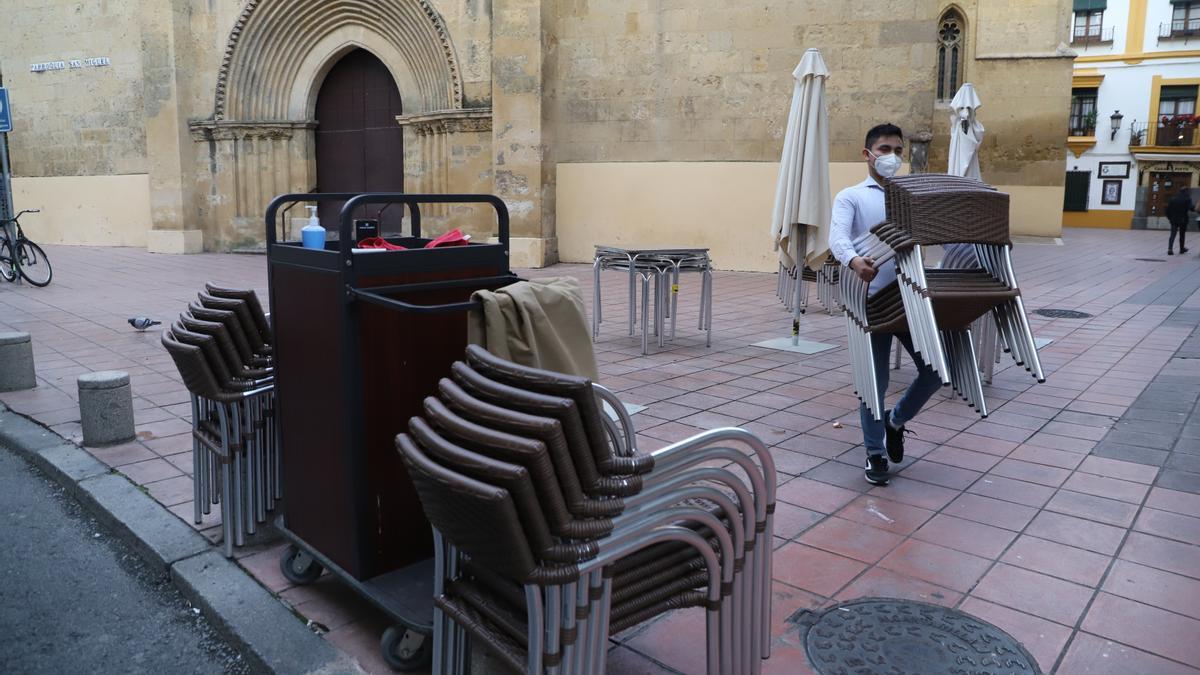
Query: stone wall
point(705, 80)
point(76, 121)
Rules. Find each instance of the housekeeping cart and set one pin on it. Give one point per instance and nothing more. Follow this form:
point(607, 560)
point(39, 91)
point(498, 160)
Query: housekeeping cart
point(361, 338)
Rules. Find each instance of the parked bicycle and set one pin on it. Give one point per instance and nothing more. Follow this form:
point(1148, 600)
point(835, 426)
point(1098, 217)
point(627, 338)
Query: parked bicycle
point(21, 256)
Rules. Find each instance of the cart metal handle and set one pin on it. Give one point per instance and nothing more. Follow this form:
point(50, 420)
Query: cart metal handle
point(298, 197)
point(450, 308)
point(412, 200)
point(374, 296)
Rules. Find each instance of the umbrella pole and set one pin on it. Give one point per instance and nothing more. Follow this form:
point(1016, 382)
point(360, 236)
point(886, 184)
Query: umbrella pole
point(800, 249)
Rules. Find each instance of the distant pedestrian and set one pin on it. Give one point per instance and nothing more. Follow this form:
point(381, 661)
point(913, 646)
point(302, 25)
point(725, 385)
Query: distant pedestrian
point(1177, 210)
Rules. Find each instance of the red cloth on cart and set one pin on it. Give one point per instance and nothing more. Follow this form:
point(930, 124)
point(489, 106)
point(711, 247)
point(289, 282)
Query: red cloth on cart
point(380, 242)
point(454, 237)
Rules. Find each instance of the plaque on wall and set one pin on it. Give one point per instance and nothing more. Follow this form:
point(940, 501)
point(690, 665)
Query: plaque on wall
point(1114, 169)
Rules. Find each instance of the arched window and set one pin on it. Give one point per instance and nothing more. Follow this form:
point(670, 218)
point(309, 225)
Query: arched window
point(949, 54)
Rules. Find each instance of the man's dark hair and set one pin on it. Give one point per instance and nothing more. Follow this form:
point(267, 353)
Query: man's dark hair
point(879, 130)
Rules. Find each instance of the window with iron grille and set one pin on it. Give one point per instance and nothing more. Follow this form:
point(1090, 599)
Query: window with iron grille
point(950, 54)
point(1083, 112)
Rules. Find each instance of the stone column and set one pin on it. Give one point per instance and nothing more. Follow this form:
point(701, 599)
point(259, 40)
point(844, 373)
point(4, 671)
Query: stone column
point(450, 151)
point(242, 167)
point(166, 134)
point(524, 168)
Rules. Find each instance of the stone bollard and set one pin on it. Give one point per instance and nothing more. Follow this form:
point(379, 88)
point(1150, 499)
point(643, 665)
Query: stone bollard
point(16, 362)
point(106, 408)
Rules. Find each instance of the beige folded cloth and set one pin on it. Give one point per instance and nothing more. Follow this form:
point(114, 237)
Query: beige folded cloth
point(539, 323)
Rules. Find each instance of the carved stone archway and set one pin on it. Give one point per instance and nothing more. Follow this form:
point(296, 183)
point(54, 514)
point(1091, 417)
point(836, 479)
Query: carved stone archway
point(259, 141)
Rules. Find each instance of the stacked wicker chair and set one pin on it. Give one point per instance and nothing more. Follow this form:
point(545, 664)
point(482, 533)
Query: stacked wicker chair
point(552, 532)
point(222, 346)
point(938, 306)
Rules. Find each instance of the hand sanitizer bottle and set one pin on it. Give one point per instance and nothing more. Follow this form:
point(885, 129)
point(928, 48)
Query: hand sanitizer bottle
point(313, 235)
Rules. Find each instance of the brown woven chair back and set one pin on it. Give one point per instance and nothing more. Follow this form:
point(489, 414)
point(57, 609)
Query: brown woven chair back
point(212, 355)
point(477, 518)
point(256, 309)
point(528, 453)
point(512, 477)
point(194, 369)
point(220, 333)
point(941, 209)
point(232, 323)
point(578, 389)
point(545, 429)
point(562, 409)
point(244, 315)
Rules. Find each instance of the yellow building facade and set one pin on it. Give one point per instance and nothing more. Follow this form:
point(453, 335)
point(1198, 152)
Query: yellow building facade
point(172, 123)
point(1132, 135)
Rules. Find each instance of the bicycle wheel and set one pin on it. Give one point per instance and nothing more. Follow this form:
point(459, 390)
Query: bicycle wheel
point(33, 263)
point(6, 261)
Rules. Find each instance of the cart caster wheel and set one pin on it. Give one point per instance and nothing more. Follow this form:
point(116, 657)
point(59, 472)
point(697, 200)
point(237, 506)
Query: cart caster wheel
point(406, 650)
point(299, 567)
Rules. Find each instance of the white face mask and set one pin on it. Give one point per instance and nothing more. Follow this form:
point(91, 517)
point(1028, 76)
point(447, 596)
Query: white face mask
point(887, 165)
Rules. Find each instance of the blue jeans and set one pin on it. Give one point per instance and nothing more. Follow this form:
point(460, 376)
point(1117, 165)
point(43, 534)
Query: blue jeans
point(909, 405)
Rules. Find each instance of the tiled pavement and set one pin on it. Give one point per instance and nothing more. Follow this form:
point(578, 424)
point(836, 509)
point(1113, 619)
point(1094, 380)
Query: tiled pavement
point(1069, 517)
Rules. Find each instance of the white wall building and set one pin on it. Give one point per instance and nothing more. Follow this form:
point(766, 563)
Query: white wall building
point(1138, 62)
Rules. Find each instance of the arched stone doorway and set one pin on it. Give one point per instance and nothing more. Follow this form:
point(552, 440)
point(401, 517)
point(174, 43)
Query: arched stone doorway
point(261, 140)
point(359, 146)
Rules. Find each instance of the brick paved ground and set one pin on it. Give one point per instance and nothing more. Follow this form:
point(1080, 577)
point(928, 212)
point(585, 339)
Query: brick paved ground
point(1070, 517)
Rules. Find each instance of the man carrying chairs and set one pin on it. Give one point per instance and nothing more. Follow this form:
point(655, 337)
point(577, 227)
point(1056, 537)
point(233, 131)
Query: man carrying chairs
point(855, 211)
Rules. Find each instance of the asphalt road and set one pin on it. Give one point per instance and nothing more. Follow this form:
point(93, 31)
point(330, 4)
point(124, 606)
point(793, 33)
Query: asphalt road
point(73, 599)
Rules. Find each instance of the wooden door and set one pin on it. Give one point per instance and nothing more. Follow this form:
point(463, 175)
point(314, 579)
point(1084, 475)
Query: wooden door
point(1164, 186)
point(1075, 196)
point(360, 148)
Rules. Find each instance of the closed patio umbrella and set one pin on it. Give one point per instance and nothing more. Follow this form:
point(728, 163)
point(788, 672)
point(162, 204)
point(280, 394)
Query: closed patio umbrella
point(800, 219)
point(966, 133)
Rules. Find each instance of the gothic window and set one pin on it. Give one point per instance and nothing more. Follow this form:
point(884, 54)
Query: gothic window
point(949, 55)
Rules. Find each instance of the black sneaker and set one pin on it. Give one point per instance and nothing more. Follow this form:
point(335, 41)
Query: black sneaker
point(1170, 252)
point(894, 439)
point(1182, 250)
point(877, 470)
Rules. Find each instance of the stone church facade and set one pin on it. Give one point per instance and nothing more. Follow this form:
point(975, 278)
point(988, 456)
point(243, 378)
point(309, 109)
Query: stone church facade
point(637, 122)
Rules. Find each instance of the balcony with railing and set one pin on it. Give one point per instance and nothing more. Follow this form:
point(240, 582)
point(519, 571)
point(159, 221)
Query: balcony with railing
point(1095, 34)
point(1184, 29)
point(1177, 133)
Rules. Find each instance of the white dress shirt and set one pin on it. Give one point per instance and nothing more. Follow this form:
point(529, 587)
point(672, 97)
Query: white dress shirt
point(855, 211)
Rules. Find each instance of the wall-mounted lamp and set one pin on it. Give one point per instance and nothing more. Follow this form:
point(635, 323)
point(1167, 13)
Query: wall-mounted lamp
point(1116, 124)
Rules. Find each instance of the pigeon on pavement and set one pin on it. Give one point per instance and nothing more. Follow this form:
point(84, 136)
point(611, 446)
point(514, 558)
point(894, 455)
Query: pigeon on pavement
point(142, 323)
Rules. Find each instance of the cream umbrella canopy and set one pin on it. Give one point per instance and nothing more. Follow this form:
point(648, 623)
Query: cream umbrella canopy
point(800, 219)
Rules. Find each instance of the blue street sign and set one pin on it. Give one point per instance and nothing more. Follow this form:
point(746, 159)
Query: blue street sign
point(5, 115)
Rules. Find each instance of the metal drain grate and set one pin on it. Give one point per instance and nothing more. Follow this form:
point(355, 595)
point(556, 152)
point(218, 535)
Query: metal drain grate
point(880, 635)
point(1062, 313)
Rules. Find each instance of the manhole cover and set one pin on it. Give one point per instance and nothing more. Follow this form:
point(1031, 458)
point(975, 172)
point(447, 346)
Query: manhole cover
point(1150, 259)
point(875, 635)
point(1062, 313)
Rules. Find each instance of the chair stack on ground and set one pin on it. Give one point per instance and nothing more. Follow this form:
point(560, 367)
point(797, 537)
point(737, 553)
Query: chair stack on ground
point(825, 278)
point(937, 306)
point(222, 346)
point(552, 532)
